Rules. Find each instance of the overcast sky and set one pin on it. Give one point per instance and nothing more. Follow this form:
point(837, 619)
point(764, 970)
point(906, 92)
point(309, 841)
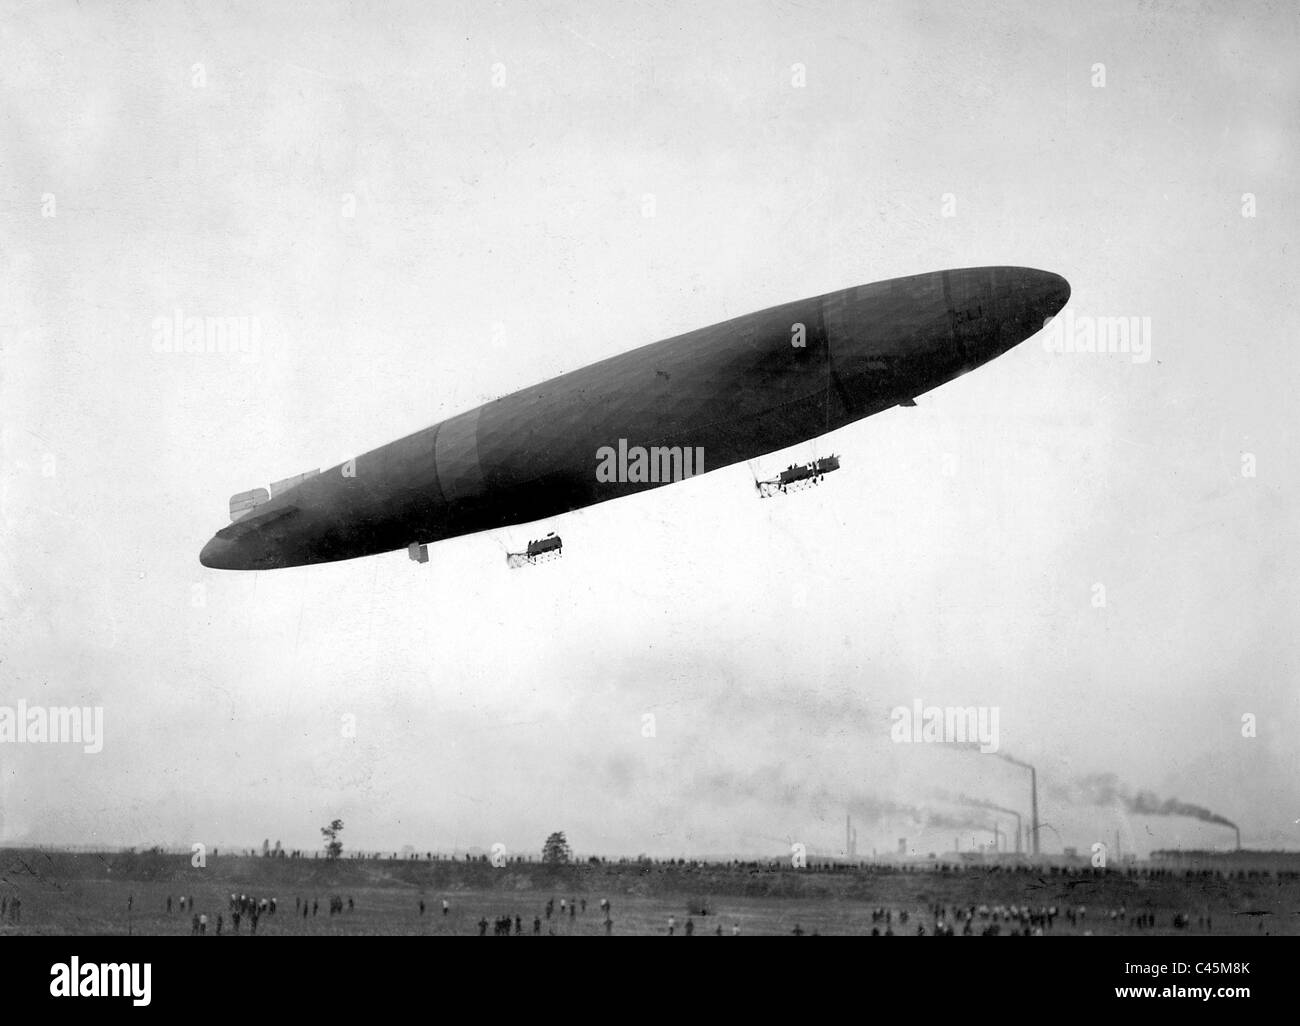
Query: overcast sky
point(436, 204)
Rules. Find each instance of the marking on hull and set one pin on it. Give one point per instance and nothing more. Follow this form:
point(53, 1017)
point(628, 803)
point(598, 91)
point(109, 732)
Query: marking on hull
point(833, 309)
point(953, 333)
point(833, 327)
point(456, 458)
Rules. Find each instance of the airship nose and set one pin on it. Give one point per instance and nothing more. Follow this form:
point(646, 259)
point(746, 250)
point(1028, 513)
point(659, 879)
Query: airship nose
point(1052, 292)
point(1026, 299)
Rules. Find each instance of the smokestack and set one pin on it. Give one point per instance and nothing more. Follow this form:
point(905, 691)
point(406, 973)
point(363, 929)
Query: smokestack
point(1238, 829)
point(978, 804)
point(997, 837)
point(1033, 793)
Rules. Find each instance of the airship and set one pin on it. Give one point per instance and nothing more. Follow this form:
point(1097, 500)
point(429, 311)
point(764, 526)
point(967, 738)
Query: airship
point(686, 405)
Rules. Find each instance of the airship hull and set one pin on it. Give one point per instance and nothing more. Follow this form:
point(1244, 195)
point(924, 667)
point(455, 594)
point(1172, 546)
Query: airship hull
point(730, 392)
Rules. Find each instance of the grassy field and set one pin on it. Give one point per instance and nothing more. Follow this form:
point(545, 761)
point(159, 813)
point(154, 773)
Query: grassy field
point(80, 894)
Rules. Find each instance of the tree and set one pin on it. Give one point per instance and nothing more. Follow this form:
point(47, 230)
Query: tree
point(333, 846)
point(556, 851)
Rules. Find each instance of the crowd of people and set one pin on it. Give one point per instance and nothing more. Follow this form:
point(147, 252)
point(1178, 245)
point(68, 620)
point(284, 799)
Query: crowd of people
point(1018, 920)
point(513, 925)
point(244, 913)
point(688, 929)
point(250, 909)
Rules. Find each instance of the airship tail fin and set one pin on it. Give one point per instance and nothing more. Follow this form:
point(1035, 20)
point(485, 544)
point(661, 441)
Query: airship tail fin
point(258, 522)
point(243, 503)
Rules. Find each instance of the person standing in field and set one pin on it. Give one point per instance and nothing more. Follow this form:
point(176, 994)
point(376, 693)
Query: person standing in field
point(672, 925)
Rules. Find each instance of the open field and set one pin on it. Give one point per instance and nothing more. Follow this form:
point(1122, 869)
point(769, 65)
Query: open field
point(66, 893)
